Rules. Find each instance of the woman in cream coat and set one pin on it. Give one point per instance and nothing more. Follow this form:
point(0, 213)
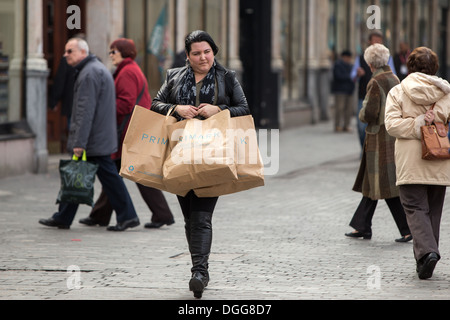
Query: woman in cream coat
point(422, 183)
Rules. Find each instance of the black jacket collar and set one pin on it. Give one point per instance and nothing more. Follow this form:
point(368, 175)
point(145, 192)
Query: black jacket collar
point(84, 62)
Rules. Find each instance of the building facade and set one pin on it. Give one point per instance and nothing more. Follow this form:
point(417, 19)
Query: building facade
point(282, 50)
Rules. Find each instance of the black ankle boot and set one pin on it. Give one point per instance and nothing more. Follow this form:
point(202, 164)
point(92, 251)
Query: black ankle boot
point(200, 247)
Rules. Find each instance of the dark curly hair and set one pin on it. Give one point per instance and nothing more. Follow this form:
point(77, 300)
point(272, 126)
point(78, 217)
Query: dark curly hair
point(423, 60)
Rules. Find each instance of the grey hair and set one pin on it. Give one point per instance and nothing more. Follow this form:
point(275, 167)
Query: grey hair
point(377, 55)
point(82, 44)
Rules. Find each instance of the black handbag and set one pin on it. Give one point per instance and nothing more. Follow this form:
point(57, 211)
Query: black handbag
point(77, 181)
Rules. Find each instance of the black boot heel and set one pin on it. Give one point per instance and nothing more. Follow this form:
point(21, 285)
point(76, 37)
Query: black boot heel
point(197, 284)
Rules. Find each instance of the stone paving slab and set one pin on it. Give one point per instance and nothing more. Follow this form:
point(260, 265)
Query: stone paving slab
point(284, 241)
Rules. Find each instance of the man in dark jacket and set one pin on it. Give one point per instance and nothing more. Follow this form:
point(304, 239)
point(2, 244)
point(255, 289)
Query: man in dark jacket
point(93, 129)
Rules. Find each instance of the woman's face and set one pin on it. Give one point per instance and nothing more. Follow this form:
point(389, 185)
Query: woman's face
point(201, 57)
point(116, 56)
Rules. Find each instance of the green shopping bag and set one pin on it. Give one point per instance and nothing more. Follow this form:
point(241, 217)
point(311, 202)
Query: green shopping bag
point(77, 181)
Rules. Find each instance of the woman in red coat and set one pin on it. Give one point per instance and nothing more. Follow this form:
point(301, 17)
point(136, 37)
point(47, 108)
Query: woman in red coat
point(131, 89)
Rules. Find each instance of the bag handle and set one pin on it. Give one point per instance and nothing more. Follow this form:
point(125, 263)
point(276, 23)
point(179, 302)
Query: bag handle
point(432, 108)
point(84, 157)
point(171, 110)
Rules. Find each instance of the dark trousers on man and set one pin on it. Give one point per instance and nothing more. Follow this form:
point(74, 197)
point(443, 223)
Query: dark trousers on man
point(154, 198)
point(114, 187)
point(362, 219)
point(423, 207)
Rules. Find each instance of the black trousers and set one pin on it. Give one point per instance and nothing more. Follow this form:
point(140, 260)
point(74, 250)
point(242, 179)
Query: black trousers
point(362, 219)
point(154, 198)
point(197, 214)
point(191, 203)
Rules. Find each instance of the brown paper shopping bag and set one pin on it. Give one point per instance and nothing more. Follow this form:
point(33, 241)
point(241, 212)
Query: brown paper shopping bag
point(249, 164)
point(201, 154)
point(145, 148)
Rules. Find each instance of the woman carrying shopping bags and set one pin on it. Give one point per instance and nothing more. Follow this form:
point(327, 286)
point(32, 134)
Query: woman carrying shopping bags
point(200, 90)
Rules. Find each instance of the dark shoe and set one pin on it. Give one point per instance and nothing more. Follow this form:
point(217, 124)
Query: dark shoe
point(198, 283)
point(91, 222)
point(426, 265)
point(124, 225)
point(357, 234)
point(404, 238)
point(156, 225)
point(53, 223)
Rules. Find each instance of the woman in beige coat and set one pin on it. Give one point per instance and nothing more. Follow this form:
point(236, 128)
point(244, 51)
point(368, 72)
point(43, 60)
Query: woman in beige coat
point(422, 183)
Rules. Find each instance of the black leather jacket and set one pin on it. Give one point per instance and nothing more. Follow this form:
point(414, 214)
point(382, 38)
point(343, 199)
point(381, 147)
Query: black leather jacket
point(230, 94)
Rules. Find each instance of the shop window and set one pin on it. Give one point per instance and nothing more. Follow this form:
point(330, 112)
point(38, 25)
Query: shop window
point(10, 65)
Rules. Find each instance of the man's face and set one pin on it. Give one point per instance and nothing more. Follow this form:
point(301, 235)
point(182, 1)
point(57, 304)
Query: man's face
point(376, 39)
point(73, 54)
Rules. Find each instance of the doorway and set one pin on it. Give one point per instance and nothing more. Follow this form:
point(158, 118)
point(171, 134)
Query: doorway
point(261, 85)
point(56, 34)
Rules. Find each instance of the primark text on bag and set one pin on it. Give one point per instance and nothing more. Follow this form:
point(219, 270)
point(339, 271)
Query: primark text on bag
point(201, 154)
point(145, 147)
point(249, 164)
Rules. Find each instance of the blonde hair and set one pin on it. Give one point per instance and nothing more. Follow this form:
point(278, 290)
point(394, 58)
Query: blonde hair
point(377, 55)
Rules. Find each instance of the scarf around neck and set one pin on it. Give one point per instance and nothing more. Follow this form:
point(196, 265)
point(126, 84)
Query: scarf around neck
point(187, 95)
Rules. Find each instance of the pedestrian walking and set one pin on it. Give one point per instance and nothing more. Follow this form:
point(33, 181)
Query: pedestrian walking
point(400, 59)
point(131, 89)
point(422, 183)
point(62, 87)
point(376, 176)
point(200, 89)
point(93, 129)
point(343, 88)
point(362, 73)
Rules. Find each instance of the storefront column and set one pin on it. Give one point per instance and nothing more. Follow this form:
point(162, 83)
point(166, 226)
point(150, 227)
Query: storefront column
point(234, 61)
point(318, 60)
point(104, 24)
point(36, 84)
point(181, 24)
point(277, 60)
point(16, 65)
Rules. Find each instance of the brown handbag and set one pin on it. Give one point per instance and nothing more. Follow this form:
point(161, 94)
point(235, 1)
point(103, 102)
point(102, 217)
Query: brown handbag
point(435, 142)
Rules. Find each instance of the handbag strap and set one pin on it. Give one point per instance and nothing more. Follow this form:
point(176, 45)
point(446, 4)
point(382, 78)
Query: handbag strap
point(127, 117)
point(432, 108)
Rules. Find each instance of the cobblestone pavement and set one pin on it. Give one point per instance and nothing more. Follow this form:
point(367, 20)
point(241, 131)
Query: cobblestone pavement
point(284, 241)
